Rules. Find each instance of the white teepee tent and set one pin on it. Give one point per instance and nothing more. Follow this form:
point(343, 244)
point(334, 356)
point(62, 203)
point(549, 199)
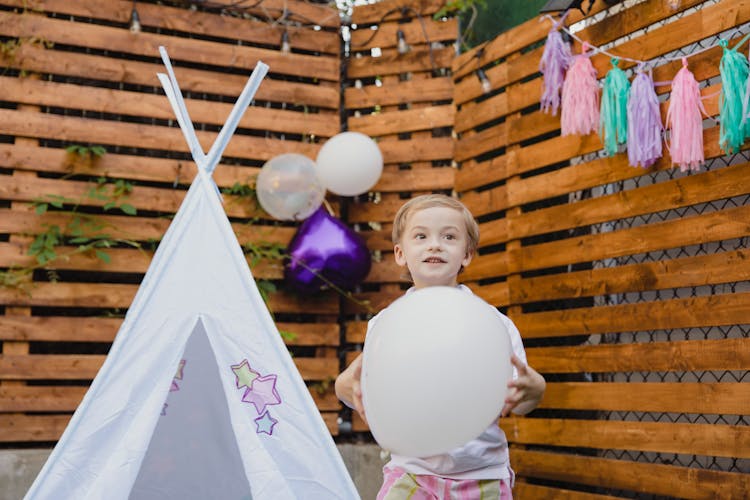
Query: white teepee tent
point(198, 397)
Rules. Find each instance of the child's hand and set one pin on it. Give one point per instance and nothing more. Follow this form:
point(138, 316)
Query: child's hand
point(349, 387)
point(525, 392)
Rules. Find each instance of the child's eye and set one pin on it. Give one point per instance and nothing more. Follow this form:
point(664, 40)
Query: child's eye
point(450, 236)
point(419, 236)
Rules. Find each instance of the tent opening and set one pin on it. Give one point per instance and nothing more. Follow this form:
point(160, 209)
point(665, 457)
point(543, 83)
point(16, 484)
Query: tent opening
point(193, 452)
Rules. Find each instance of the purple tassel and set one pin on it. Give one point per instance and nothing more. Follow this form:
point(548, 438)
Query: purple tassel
point(644, 122)
point(555, 61)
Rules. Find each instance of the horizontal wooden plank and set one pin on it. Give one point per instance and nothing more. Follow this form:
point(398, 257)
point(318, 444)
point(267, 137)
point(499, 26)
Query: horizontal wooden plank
point(60, 398)
point(31, 58)
point(667, 397)
point(430, 90)
point(416, 32)
point(397, 122)
point(203, 23)
point(394, 178)
point(141, 197)
point(97, 329)
point(668, 195)
point(695, 312)
point(385, 271)
point(121, 260)
point(321, 14)
point(108, 295)
point(640, 477)
point(137, 135)
point(587, 175)
point(712, 269)
point(103, 100)
point(716, 440)
point(391, 10)
point(26, 222)
point(497, 294)
point(356, 331)
point(383, 211)
point(483, 266)
point(372, 302)
point(85, 367)
point(38, 428)
point(390, 62)
point(691, 355)
point(528, 491)
point(411, 151)
point(212, 53)
point(689, 230)
point(177, 172)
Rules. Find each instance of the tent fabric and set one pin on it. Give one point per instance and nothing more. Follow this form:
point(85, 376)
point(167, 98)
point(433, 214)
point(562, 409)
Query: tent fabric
point(198, 397)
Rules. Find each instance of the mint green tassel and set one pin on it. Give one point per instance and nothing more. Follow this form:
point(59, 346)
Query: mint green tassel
point(613, 121)
point(734, 73)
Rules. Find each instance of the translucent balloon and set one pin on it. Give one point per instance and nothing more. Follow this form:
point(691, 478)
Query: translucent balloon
point(349, 163)
point(288, 187)
point(436, 365)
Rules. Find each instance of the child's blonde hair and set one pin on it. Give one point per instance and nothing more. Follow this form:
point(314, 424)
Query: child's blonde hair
point(435, 200)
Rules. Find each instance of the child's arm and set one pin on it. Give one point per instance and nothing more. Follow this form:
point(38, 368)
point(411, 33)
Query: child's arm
point(348, 387)
point(525, 392)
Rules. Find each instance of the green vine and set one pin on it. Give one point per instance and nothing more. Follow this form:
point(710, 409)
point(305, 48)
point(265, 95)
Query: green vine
point(85, 232)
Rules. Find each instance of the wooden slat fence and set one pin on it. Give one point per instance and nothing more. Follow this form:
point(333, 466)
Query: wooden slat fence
point(74, 74)
point(629, 285)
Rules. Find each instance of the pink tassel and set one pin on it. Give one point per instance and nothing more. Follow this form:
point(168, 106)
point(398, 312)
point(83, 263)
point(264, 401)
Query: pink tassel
point(684, 121)
point(580, 97)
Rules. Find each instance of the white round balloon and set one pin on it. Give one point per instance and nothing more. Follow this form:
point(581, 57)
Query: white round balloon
point(288, 187)
point(436, 365)
point(349, 163)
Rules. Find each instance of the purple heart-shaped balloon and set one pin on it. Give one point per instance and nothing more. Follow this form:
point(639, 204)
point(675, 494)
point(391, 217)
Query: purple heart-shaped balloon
point(325, 246)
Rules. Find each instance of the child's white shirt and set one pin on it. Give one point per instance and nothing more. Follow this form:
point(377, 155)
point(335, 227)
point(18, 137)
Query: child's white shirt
point(485, 457)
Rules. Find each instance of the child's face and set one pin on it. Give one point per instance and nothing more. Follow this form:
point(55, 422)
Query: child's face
point(434, 246)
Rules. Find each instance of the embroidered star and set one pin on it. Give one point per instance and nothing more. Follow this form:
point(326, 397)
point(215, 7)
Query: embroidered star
point(265, 424)
point(263, 393)
point(245, 375)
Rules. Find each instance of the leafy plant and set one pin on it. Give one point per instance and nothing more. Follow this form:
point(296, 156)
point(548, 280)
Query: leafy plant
point(83, 231)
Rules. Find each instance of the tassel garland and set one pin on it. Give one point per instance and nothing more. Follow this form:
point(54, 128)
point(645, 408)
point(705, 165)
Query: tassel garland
point(644, 122)
point(555, 61)
point(580, 97)
point(734, 72)
point(684, 120)
point(613, 126)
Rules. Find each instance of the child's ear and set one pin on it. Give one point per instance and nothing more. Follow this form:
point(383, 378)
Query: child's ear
point(467, 259)
point(398, 254)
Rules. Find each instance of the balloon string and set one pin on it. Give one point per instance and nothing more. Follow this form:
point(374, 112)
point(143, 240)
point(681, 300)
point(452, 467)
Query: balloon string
point(329, 208)
point(344, 293)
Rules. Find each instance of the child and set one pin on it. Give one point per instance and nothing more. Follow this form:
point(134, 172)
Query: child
point(435, 237)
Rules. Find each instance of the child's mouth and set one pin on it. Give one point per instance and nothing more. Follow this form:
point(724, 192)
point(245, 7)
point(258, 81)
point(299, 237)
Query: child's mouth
point(434, 260)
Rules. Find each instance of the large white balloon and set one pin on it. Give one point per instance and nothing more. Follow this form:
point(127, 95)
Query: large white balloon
point(288, 187)
point(435, 370)
point(349, 163)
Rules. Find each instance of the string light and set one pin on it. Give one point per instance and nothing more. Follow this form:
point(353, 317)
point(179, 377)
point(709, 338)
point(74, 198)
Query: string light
point(486, 84)
point(135, 20)
point(401, 44)
point(285, 47)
